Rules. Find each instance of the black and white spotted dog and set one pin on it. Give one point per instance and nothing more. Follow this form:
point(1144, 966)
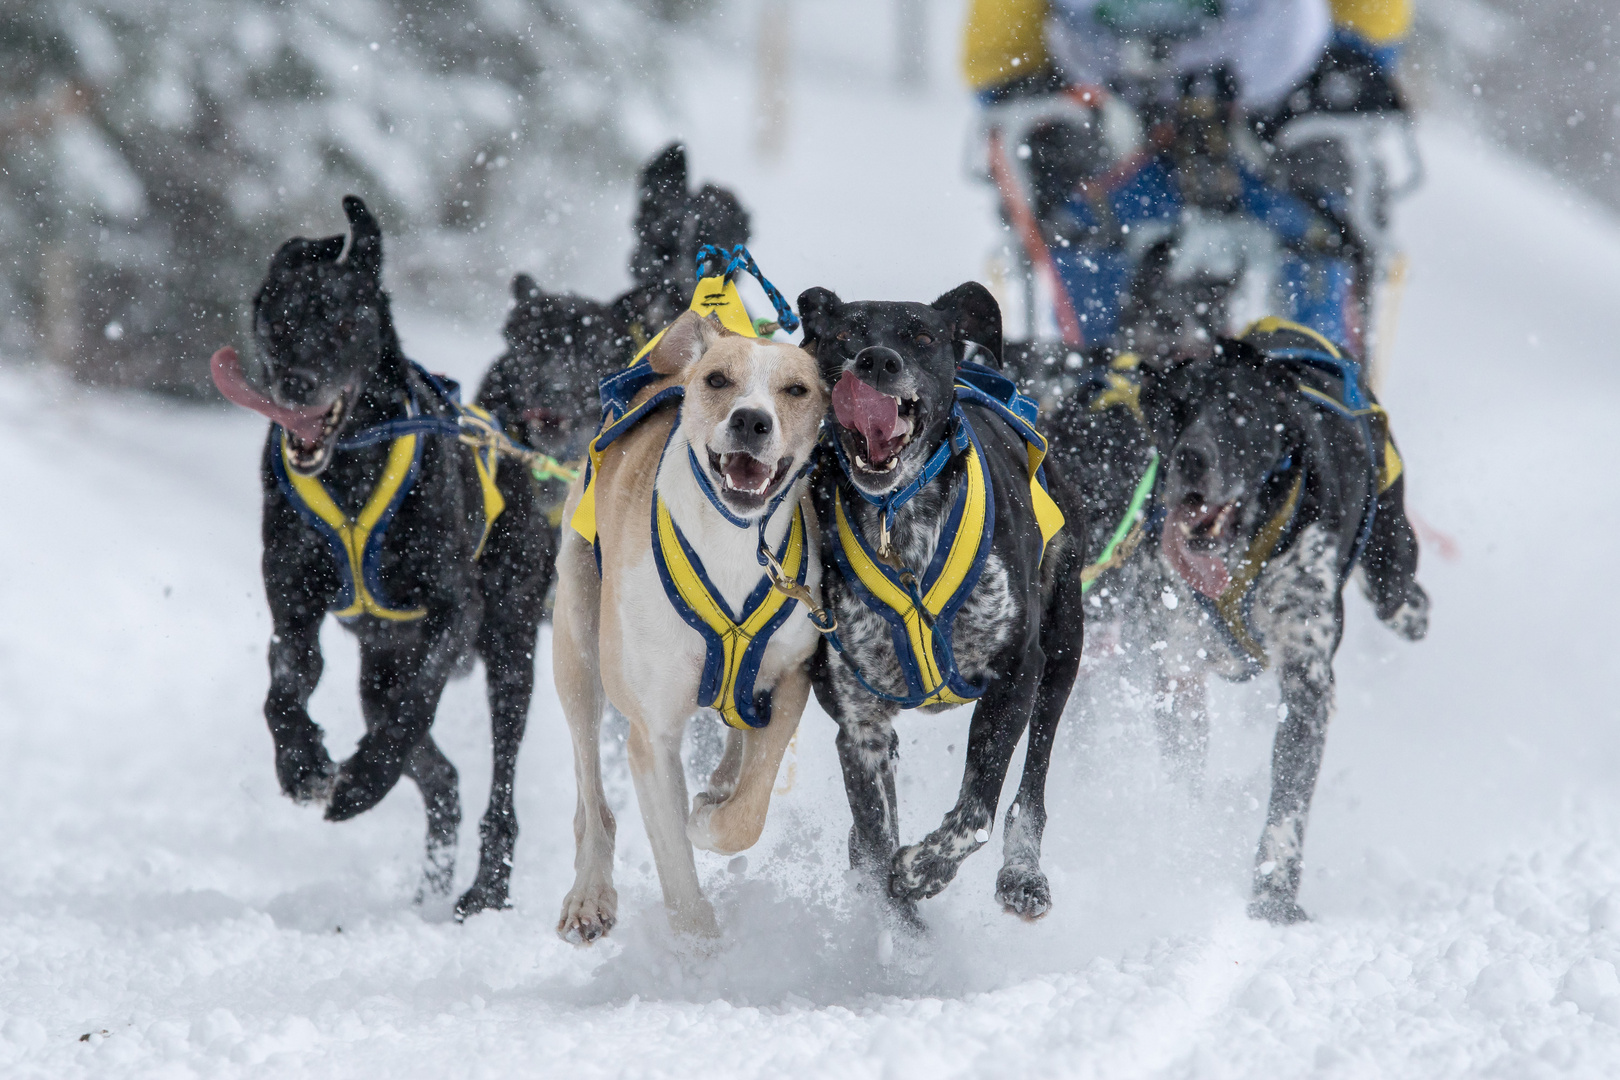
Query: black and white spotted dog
point(1018, 632)
point(1272, 495)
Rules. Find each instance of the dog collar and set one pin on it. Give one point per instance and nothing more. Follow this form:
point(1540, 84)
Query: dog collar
point(955, 442)
point(702, 478)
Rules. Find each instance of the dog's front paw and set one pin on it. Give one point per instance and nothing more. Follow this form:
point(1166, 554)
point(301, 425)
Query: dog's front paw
point(483, 896)
point(438, 871)
point(1023, 891)
point(304, 768)
point(589, 911)
point(1277, 910)
point(920, 871)
point(1409, 618)
point(361, 783)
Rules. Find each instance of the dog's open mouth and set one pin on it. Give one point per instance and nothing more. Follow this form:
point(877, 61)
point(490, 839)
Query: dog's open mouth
point(745, 480)
point(305, 454)
point(1195, 535)
point(877, 426)
point(311, 429)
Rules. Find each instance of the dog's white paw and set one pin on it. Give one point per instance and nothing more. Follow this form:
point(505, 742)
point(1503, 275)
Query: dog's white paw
point(1411, 619)
point(589, 912)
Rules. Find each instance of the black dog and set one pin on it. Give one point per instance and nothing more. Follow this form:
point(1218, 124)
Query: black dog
point(1013, 629)
point(436, 580)
point(543, 388)
point(1279, 477)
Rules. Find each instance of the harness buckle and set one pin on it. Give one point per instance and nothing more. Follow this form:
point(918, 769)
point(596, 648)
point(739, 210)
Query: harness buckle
point(793, 590)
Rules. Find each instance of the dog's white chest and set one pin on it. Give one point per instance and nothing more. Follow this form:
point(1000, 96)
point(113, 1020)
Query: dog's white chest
point(664, 656)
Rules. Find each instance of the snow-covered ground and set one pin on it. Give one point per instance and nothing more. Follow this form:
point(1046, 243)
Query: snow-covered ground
point(165, 912)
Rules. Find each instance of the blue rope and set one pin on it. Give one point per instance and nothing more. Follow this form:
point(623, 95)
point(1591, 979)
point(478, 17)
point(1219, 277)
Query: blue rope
point(738, 258)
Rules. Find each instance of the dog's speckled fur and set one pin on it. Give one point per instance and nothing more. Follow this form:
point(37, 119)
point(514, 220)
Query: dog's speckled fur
point(1019, 631)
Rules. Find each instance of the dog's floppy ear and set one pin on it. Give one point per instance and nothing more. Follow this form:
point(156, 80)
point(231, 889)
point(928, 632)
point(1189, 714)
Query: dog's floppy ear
point(974, 316)
point(663, 179)
point(818, 309)
point(365, 237)
point(686, 340)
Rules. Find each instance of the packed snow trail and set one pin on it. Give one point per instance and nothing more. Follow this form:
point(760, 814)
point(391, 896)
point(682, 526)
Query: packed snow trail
point(165, 912)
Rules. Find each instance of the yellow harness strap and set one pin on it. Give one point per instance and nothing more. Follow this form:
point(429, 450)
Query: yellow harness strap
point(730, 668)
point(486, 458)
point(959, 562)
point(716, 295)
point(354, 533)
point(1229, 605)
point(1047, 515)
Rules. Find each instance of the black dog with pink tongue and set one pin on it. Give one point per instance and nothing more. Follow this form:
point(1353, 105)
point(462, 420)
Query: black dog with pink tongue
point(892, 367)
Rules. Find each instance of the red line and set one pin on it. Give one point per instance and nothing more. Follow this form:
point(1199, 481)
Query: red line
point(1023, 219)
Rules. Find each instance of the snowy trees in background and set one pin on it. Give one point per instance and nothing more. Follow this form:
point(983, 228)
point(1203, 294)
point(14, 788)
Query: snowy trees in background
point(154, 152)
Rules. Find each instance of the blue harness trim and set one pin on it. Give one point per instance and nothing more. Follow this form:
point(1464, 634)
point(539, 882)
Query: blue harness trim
point(942, 624)
point(751, 706)
point(981, 386)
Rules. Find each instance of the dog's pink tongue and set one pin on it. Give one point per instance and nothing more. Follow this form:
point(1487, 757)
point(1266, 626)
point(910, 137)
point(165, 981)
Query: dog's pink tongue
point(306, 423)
point(1202, 570)
point(745, 473)
point(871, 412)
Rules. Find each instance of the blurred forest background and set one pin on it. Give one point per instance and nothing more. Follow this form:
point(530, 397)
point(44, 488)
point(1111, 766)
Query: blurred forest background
point(154, 152)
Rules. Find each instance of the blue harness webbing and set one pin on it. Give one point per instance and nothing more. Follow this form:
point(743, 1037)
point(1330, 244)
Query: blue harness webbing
point(921, 614)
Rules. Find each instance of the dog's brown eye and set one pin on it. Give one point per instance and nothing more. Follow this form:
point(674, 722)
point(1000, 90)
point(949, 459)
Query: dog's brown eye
point(843, 335)
point(717, 380)
point(797, 390)
point(923, 339)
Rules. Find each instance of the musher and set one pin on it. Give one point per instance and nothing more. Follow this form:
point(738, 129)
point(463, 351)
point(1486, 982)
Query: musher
point(1114, 124)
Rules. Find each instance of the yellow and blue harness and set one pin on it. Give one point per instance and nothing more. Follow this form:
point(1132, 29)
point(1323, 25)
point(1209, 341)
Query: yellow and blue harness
point(1310, 354)
point(922, 613)
point(734, 644)
point(356, 542)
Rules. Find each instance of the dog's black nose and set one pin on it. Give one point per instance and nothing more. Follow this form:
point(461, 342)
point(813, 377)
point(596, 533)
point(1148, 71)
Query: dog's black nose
point(750, 426)
point(1191, 464)
point(877, 360)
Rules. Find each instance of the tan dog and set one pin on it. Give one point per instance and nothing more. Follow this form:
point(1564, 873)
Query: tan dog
point(750, 416)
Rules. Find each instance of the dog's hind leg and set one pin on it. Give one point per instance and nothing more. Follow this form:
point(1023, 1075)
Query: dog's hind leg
point(1181, 721)
point(591, 906)
point(381, 683)
point(303, 767)
point(1389, 567)
point(435, 777)
point(508, 652)
point(922, 870)
point(733, 824)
